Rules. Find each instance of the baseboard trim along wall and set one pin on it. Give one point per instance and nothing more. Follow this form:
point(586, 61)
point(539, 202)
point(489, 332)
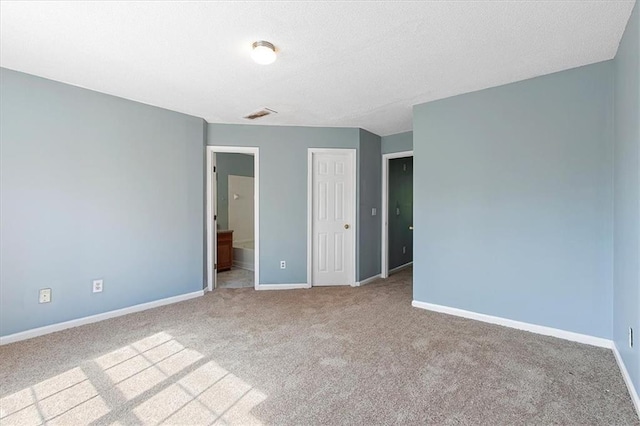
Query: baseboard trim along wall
point(367, 281)
point(627, 380)
point(281, 286)
point(41, 331)
point(400, 268)
point(534, 328)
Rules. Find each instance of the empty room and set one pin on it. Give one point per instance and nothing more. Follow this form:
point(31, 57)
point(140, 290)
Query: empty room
point(320, 213)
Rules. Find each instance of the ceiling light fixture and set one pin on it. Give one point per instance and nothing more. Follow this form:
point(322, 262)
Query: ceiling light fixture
point(264, 52)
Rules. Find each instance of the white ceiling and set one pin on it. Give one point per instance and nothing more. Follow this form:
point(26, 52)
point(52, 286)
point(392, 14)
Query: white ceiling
point(343, 64)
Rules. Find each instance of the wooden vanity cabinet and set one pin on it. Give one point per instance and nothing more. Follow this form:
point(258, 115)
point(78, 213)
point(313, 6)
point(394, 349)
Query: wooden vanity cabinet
point(225, 250)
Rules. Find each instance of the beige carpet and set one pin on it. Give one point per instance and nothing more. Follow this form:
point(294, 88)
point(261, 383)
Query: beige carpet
point(320, 356)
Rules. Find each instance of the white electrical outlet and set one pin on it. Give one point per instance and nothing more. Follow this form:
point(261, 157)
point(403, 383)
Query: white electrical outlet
point(631, 337)
point(373, 211)
point(397, 211)
point(283, 264)
point(97, 286)
point(45, 295)
point(404, 249)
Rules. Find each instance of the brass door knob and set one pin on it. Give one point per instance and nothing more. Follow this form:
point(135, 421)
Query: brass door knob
point(346, 226)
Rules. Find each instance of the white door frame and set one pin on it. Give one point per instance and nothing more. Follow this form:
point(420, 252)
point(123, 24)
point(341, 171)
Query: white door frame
point(352, 155)
point(211, 196)
point(384, 262)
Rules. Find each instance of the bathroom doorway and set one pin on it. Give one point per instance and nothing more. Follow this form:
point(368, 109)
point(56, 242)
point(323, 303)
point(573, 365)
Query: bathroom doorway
point(232, 217)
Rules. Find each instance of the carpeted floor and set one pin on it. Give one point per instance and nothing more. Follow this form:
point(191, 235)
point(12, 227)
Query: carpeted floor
point(320, 356)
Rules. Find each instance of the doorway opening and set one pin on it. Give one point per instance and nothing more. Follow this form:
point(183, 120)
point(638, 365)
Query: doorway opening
point(397, 212)
point(233, 184)
point(331, 225)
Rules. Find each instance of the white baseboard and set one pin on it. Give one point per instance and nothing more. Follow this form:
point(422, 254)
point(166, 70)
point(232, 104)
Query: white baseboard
point(281, 286)
point(534, 328)
point(367, 281)
point(400, 268)
point(243, 265)
point(627, 380)
point(40, 331)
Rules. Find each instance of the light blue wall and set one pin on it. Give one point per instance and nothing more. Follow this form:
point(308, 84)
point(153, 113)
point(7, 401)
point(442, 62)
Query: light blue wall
point(626, 290)
point(399, 142)
point(94, 186)
point(400, 211)
point(283, 188)
point(230, 164)
point(369, 226)
point(513, 210)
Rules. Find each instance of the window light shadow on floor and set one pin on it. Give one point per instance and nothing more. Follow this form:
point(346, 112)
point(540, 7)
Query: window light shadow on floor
point(154, 380)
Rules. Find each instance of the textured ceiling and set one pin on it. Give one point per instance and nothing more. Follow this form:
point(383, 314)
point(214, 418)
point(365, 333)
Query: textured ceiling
point(351, 64)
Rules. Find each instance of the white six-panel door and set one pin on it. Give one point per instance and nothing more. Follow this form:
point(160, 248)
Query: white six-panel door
point(333, 214)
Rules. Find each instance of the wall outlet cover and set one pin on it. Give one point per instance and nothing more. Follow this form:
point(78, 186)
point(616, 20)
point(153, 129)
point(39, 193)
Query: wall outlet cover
point(97, 286)
point(283, 264)
point(44, 295)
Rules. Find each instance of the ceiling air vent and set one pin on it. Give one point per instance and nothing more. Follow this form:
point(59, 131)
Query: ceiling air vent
point(261, 113)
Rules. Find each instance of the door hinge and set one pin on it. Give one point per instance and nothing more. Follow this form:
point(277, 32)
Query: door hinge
point(215, 217)
point(214, 169)
point(215, 266)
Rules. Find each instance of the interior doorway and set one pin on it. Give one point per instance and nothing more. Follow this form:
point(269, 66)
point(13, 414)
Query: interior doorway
point(331, 250)
point(397, 212)
point(233, 237)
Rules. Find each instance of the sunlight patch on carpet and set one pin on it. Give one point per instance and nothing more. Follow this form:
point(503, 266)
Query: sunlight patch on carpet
point(153, 375)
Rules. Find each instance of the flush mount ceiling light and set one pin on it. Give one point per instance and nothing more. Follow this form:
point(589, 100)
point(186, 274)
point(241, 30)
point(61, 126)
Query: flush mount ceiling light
point(264, 52)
